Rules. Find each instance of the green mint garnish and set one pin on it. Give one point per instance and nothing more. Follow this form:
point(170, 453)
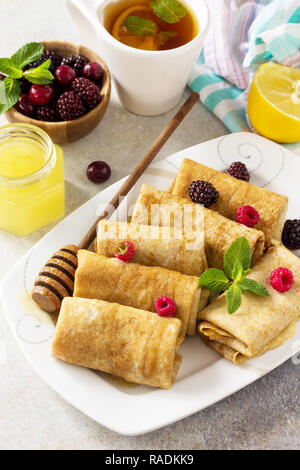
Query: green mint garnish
point(237, 262)
point(214, 279)
point(164, 36)
point(27, 54)
point(9, 93)
point(253, 286)
point(140, 26)
point(239, 251)
point(40, 74)
point(170, 11)
point(233, 298)
point(10, 69)
point(13, 68)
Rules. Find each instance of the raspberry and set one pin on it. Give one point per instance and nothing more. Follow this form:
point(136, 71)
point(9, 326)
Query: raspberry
point(46, 113)
point(125, 251)
point(165, 307)
point(88, 91)
point(69, 106)
point(203, 192)
point(291, 234)
point(77, 62)
point(47, 54)
point(247, 215)
point(239, 171)
point(281, 279)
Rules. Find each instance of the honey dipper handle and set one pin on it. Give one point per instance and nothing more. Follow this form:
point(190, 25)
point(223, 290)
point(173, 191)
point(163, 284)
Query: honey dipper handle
point(142, 165)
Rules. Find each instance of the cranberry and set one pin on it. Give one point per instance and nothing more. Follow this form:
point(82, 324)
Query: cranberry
point(41, 94)
point(98, 172)
point(24, 105)
point(64, 75)
point(93, 71)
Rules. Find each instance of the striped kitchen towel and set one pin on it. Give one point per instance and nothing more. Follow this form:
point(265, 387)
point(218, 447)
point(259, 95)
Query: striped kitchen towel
point(243, 34)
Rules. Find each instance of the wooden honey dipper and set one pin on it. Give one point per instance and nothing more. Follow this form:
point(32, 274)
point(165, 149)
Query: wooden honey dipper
point(56, 279)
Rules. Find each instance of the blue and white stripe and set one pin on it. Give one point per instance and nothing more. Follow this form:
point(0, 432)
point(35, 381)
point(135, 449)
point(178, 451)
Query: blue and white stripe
point(243, 34)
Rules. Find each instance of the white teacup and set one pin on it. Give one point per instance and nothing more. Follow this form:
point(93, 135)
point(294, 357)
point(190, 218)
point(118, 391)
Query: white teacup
point(148, 82)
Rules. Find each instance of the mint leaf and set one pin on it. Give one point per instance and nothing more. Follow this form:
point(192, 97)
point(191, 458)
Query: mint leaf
point(253, 286)
point(27, 54)
point(140, 26)
point(214, 279)
point(169, 11)
point(237, 271)
point(8, 67)
point(40, 74)
point(165, 36)
point(12, 93)
point(239, 250)
point(233, 298)
point(2, 92)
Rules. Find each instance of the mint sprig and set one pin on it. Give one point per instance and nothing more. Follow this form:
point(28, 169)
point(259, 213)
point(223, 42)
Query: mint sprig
point(40, 75)
point(140, 26)
point(170, 11)
point(9, 93)
point(10, 69)
point(31, 52)
point(237, 262)
point(233, 298)
point(13, 70)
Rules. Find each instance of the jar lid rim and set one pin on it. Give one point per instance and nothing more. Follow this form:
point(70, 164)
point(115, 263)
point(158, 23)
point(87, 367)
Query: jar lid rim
point(30, 131)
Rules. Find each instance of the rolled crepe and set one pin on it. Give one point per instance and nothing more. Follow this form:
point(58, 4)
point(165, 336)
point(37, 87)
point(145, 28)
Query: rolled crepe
point(161, 208)
point(110, 279)
point(132, 344)
point(261, 323)
point(234, 193)
point(154, 246)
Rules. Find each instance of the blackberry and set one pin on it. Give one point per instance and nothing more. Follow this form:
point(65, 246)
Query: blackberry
point(88, 91)
point(69, 106)
point(46, 113)
point(25, 85)
point(203, 192)
point(47, 54)
point(291, 234)
point(77, 62)
point(239, 171)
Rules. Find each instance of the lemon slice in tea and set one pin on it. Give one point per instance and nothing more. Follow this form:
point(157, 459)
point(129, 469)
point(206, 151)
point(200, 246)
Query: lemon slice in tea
point(120, 32)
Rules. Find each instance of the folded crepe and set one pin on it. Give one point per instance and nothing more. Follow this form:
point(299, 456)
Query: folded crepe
point(261, 323)
point(154, 246)
point(161, 208)
point(132, 344)
point(234, 193)
point(110, 279)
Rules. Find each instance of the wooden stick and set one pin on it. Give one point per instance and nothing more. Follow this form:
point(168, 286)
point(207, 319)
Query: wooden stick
point(141, 166)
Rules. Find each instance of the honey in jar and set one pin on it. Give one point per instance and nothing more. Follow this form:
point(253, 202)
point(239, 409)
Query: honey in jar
point(31, 179)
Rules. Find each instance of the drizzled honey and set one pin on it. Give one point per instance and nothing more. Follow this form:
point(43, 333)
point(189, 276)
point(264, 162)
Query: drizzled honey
point(168, 36)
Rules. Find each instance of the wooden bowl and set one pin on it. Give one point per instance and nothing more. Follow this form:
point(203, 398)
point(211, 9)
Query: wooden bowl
point(69, 131)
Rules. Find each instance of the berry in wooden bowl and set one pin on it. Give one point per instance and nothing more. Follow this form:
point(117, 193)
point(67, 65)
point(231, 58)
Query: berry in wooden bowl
point(74, 103)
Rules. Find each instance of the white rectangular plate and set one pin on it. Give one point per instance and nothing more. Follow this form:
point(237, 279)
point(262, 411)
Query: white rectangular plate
point(204, 377)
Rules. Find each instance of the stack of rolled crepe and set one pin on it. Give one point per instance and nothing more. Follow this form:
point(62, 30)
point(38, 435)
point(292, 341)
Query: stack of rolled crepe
point(161, 208)
point(134, 285)
point(155, 246)
point(261, 323)
point(132, 344)
point(234, 193)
